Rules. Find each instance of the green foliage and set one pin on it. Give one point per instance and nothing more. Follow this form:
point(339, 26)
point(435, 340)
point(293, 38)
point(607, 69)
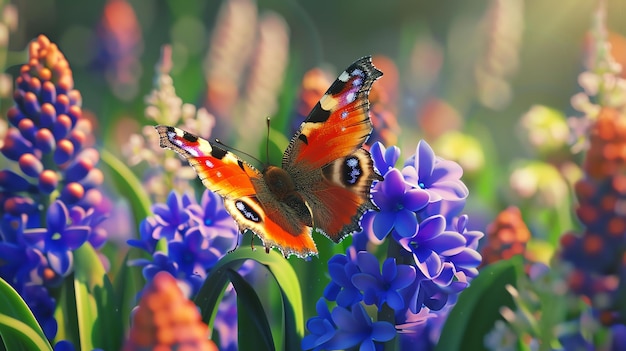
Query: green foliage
point(479, 305)
point(19, 329)
point(291, 329)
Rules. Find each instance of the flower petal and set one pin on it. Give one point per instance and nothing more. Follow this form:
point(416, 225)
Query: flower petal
point(424, 161)
point(57, 217)
point(383, 331)
point(383, 223)
point(73, 237)
point(406, 224)
point(61, 261)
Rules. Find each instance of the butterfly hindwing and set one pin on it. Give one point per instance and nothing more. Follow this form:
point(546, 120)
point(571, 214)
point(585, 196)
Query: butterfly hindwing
point(245, 193)
point(325, 159)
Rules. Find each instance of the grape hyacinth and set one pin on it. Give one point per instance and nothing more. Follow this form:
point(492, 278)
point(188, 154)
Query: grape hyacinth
point(50, 201)
point(431, 257)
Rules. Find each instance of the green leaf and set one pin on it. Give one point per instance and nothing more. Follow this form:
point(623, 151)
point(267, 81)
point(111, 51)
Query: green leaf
point(18, 335)
point(19, 329)
point(127, 184)
point(65, 313)
point(478, 307)
point(98, 314)
point(127, 283)
point(252, 324)
point(210, 294)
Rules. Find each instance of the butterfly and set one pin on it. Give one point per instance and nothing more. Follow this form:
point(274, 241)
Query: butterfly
point(325, 178)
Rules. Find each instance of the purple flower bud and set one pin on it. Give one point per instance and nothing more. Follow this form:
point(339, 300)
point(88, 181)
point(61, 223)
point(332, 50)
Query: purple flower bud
point(48, 116)
point(30, 105)
point(63, 152)
point(48, 181)
point(72, 192)
point(30, 165)
point(13, 182)
point(62, 126)
point(14, 115)
point(18, 205)
point(28, 129)
point(78, 169)
point(62, 105)
point(48, 92)
point(15, 145)
point(44, 140)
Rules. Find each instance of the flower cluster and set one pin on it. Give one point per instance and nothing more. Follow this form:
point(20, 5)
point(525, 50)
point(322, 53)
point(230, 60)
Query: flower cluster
point(602, 84)
point(186, 238)
point(431, 255)
point(50, 201)
point(166, 319)
point(598, 256)
point(165, 107)
point(506, 237)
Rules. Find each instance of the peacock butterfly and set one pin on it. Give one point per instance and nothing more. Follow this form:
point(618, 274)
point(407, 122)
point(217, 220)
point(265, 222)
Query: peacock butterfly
point(325, 178)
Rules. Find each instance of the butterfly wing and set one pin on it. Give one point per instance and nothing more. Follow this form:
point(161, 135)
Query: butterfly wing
point(244, 192)
point(325, 159)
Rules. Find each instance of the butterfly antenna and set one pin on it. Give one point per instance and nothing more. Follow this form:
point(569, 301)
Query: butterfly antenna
point(267, 142)
point(219, 142)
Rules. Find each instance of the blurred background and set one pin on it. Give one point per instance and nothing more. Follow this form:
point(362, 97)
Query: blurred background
point(482, 61)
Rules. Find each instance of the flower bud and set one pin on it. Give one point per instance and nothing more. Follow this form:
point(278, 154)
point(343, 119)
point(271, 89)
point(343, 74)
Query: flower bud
point(44, 140)
point(48, 181)
point(78, 170)
point(30, 165)
point(63, 152)
point(72, 193)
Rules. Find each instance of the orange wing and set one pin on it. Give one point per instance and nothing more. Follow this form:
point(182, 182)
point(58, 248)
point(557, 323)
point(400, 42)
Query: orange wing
point(241, 186)
point(325, 159)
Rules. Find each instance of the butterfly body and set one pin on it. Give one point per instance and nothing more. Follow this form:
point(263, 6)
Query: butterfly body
point(324, 180)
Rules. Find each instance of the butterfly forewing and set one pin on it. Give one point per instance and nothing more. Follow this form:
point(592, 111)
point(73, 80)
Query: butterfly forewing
point(325, 157)
point(242, 188)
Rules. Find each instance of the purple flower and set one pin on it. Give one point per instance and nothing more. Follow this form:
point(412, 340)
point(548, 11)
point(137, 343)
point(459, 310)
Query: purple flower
point(397, 203)
point(356, 328)
point(213, 218)
point(341, 269)
point(382, 288)
point(431, 243)
point(173, 216)
point(194, 255)
point(441, 178)
point(58, 239)
point(160, 262)
point(322, 328)
point(42, 305)
point(147, 242)
point(384, 158)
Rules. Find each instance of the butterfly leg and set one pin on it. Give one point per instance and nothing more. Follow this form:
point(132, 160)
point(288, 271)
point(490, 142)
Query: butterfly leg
point(236, 244)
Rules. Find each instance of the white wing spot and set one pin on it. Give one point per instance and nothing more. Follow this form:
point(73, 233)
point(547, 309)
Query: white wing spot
point(344, 114)
point(209, 164)
point(244, 211)
point(357, 82)
point(218, 174)
point(344, 76)
point(350, 97)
